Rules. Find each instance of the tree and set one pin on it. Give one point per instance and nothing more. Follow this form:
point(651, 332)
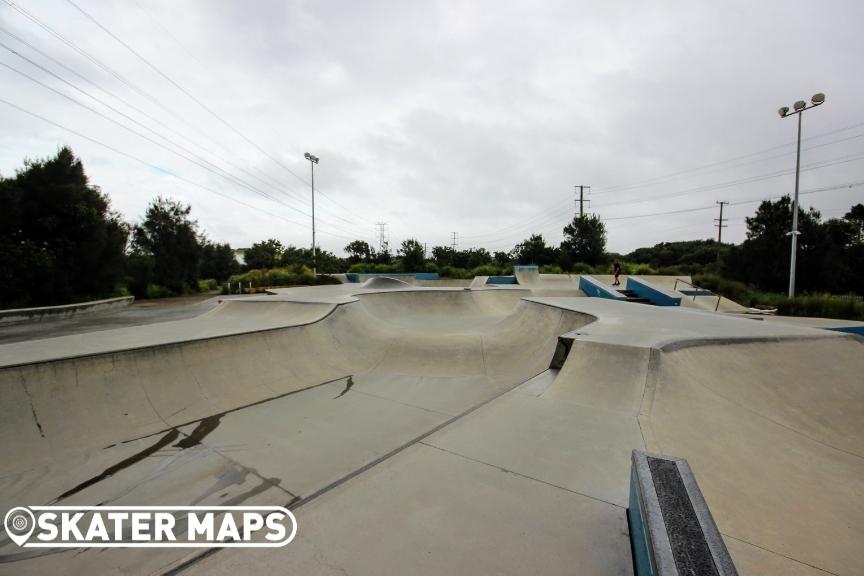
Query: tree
point(59, 239)
point(383, 256)
point(217, 261)
point(585, 239)
point(170, 240)
point(413, 255)
point(856, 217)
point(478, 257)
point(266, 254)
point(443, 255)
point(359, 251)
point(502, 259)
point(763, 258)
point(534, 251)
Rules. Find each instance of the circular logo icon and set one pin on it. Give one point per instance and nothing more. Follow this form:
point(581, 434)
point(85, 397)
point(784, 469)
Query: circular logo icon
point(19, 523)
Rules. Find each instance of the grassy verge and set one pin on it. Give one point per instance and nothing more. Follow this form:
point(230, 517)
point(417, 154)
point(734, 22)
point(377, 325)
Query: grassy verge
point(812, 305)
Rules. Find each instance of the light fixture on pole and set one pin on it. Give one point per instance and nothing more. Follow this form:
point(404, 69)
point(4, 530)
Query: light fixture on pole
point(798, 108)
point(312, 161)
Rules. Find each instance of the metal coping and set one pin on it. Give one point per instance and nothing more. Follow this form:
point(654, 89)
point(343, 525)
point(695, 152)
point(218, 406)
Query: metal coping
point(672, 531)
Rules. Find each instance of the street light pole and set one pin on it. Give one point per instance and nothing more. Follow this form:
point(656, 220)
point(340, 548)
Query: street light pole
point(312, 161)
point(799, 108)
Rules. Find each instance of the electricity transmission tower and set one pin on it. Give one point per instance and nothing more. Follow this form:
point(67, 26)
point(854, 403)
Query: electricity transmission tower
point(382, 236)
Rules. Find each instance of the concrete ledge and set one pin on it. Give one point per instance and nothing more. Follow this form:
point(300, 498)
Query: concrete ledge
point(656, 295)
point(672, 531)
point(596, 289)
point(18, 315)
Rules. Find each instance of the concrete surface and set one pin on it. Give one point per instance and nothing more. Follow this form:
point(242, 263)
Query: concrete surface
point(38, 314)
point(420, 430)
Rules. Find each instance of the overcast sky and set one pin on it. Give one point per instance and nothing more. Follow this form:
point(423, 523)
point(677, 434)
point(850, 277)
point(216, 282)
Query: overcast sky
point(438, 117)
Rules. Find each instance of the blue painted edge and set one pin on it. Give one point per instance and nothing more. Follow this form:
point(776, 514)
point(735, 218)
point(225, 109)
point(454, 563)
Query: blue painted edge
point(638, 539)
point(501, 280)
point(657, 296)
point(526, 267)
point(595, 289)
point(849, 329)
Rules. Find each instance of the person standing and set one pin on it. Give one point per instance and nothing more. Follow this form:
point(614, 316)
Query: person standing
point(616, 269)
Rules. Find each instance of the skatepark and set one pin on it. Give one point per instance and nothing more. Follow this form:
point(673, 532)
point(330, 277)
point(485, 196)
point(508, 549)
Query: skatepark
point(461, 427)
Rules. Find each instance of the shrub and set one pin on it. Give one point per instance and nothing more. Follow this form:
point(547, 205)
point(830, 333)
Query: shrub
point(208, 285)
point(157, 291)
point(486, 270)
point(583, 268)
point(551, 269)
point(641, 270)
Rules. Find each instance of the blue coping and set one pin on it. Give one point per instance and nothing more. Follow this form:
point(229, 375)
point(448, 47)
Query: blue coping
point(849, 329)
point(657, 296)
point(638, 537)
point(355, 276)
point(501, 280)
point(596, 289)
point(526, 267)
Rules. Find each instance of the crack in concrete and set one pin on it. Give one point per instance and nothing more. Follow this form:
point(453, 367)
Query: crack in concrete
point(508, 471)
point(32, 407)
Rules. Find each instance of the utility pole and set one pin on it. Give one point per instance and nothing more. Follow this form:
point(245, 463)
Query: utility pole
point(582, 199)
point(720, 227)
point(455, 242)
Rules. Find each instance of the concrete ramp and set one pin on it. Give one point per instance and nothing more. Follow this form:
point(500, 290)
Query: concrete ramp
point(771, 429)
point(527, 275)
point(385, 283)
point(773, 432)
point(264, 417)
point(421, 431)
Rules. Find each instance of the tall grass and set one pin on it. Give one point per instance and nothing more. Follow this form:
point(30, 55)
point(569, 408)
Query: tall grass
point(811, 305)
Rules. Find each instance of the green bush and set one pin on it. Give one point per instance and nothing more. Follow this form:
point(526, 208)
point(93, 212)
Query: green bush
point(297, 275)
point(486, 270)
point(551, 269)
point(208, 285)
point(822, 306)
point(583, 268)
point(642, 270)
point(157, 291)
point(732, 289)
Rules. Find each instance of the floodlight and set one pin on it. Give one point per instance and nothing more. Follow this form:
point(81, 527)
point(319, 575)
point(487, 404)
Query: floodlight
point(818, 99)
point(783, 111)
point(799, 105)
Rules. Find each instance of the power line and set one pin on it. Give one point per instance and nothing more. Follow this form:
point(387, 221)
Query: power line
point(619, 187)
point(101, 65)
point(156, 166)
point(196, 159)
point(197, 101)
point(557, 208)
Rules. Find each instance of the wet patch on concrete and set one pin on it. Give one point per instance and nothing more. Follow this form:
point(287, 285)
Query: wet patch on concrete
point(167, 439)
point(348, 384)
point(204, 427)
